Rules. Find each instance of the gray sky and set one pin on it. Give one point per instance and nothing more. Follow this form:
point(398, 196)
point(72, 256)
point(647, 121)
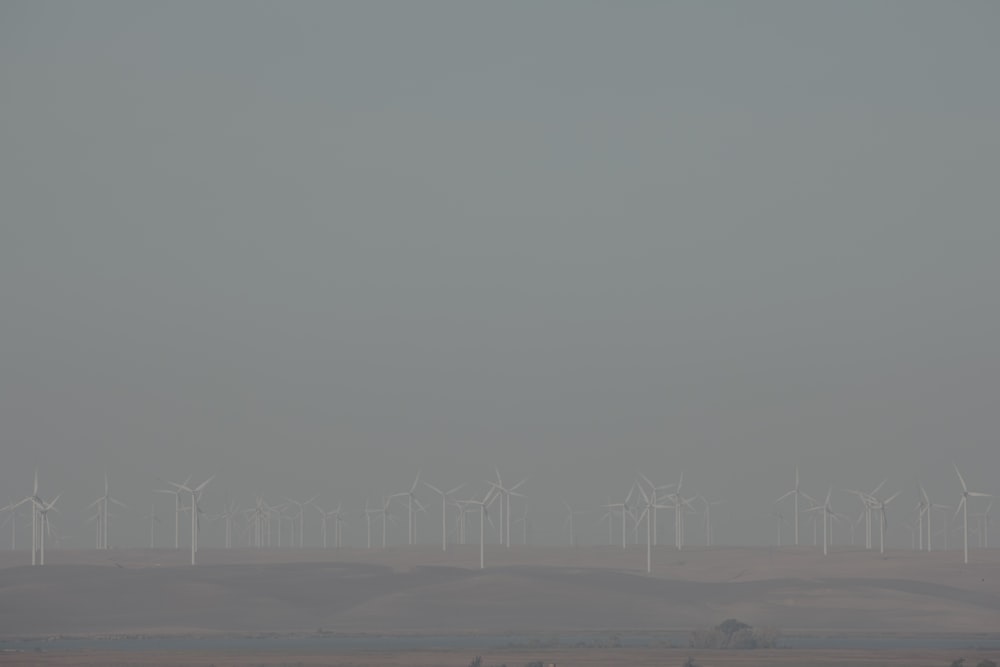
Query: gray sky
point(312, 247)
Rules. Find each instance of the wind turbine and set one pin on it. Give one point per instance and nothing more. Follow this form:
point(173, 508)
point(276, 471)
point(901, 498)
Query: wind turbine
point(795, 493)
point(523, 519)
point(929, 508)
point(301, 515)
point(654, 490)
point(153, 520)
point(43, 518)
point(195, 492)
point(781, 519)
point(227, 515)
point(411, 499)
point(12, 518)
point(368, 521)
point(177, 508)
point(337, 516)
point(444, 510)
point(624, 507)
point(34, 500)
point(922, 508)
point(963, 507)
point(505, 495)
point(338, 521)
point(610, 516)
point(569, 521)
point(648, 509)
point(483, 516)
point(103, 504)
point(986, 525)
point(708, 517)
point(326, 518)
point(882, 524)
point(827, 513)
point(386, 515)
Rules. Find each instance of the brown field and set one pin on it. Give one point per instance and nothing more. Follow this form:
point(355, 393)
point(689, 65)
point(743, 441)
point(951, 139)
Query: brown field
point(523, 591)
point(561, 657)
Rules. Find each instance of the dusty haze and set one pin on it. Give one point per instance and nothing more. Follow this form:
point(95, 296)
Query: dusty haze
point(313, 248)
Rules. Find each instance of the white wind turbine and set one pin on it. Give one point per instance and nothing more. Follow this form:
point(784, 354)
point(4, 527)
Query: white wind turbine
point(650, 506)
point(227, 515)
point(610, 516)
point(462, 519)
point(796, 493)
point(338, 522)
point(301, 515)
point(43, 519)
point(177, 509)
point(655, 490)
point(505, 495)
point(195, 492)
point(708, 517)
point(882, 524)
point(523, 520)
point(929, 508)
point(624, 508)
point(153, 520)
point(986, 525)
point(411, 499)
point(781, 519)
point(871, 503)
point(827, 513)
point(337, 516)
point(483, 516)
point(103, 504)
point(385, 514)
point(679, 504)
point(326, 519)
point(368, 521)
point(11, 508)
point(922, 508)
point(444, 510)
point(257, 516)
point(963, 507)
point(36, 503)
point(33, 500)
point(570, 512)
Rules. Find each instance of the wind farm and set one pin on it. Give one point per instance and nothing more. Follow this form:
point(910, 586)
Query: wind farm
point(499, 333)
point(548, 585)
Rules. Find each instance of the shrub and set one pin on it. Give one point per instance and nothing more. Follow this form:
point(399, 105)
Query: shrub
point(734, 634)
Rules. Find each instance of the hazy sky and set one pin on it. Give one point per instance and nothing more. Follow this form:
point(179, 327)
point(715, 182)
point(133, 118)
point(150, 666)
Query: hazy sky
point(313, 247)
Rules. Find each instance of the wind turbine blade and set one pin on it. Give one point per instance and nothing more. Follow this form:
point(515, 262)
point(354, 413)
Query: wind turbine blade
point(517, 485)
point(456, 489)
point(433, 488)
point(980, 495)
point(960, 478)
point(890, 498)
